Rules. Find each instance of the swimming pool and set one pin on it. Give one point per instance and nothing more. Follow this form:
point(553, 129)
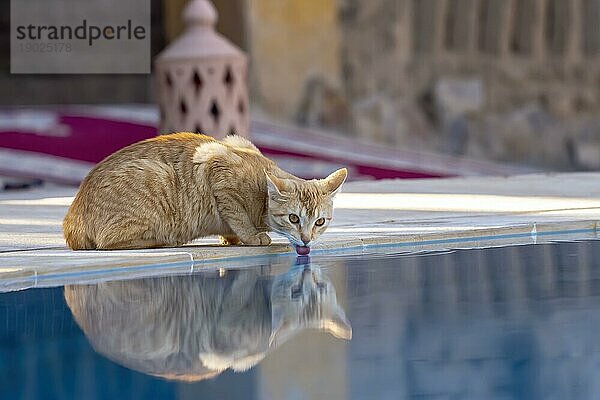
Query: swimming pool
point(515, 322)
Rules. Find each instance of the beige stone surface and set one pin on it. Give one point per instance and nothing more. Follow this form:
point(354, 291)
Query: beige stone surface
point(291, 42)
point(401, 215)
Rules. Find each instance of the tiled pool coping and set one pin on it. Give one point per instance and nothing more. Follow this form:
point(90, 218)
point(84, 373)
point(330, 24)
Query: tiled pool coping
point(395, 215)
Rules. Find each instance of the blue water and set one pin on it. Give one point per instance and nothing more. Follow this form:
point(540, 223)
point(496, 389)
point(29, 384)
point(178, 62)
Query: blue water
point(508, 323)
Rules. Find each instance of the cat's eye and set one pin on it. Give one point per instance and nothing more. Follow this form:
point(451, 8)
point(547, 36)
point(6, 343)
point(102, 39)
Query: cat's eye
point(294, 219)
point(320, 222)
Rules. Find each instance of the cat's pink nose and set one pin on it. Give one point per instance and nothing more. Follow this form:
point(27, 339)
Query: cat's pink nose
point(305, 241)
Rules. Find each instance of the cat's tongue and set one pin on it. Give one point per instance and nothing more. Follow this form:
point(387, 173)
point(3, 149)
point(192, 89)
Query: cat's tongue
point(302, 250)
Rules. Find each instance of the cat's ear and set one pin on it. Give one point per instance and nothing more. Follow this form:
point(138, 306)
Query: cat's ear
point(275, 186)
point(338, 325)
point(333, 182)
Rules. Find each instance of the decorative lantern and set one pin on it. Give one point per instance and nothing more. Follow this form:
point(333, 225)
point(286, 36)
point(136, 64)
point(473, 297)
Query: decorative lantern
point(201, 79)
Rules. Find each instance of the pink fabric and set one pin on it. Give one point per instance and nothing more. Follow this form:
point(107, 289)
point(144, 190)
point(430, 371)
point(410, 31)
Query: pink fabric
point(92, 138)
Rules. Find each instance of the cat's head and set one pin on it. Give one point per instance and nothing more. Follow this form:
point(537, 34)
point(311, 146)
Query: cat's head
point(304, 298)
point(301, 210)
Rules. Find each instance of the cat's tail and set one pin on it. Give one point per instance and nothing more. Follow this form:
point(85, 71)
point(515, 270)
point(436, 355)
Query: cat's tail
point(75, 232)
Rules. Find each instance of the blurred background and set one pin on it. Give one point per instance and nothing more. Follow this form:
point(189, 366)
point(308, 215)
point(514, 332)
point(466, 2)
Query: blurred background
point(434, 84)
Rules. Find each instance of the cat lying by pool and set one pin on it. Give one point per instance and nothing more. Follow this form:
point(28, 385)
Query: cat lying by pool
point(172, 189)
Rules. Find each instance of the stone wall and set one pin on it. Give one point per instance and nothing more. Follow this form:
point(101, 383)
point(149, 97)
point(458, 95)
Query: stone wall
point(534, 63)
point(522, 49)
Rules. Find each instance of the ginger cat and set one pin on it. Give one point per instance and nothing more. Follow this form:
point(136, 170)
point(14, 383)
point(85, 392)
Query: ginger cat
point(172, 189)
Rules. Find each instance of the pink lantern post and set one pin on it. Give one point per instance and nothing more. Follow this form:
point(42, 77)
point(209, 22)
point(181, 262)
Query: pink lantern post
point(201, 79)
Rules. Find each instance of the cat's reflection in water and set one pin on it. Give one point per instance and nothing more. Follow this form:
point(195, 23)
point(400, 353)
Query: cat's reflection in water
point(194, 327)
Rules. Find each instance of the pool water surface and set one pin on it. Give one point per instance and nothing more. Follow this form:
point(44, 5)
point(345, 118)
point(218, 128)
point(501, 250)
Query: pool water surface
point(517, 322)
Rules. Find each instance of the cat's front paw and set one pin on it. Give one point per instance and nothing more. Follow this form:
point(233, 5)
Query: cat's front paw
point(260, 239)
point(230, 240)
